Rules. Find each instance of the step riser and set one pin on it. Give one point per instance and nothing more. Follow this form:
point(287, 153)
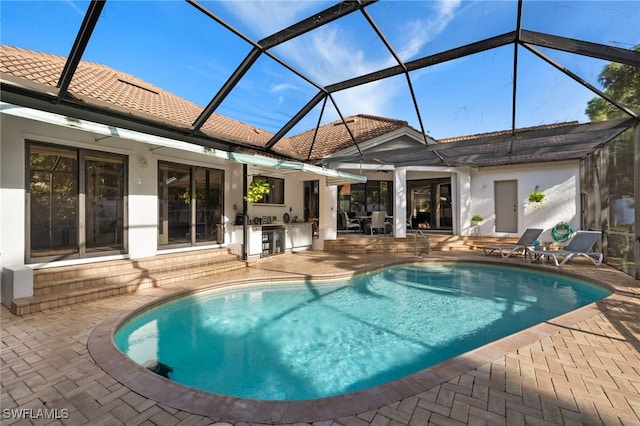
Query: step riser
point(408, 245)
point(62, 286)
point(101, 293)
point(67, 285)
point(119, 266)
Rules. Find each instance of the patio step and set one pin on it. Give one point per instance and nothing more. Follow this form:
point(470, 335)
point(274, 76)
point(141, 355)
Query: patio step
point(66, 285)
point(358, 244)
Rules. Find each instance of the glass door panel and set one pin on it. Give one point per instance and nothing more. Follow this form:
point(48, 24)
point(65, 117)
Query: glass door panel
point(104, 202)
point(208, 202)
point(174, 197)
point(311, 199)
point(190, 205)
point(444, 211)
point(421, 212)
point(53, 201)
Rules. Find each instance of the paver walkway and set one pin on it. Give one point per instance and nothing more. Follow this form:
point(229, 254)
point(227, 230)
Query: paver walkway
point(581, 368)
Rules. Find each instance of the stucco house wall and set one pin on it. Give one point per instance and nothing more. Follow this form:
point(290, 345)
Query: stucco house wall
point(142, 186)
point(472, 190)
point(559, 181)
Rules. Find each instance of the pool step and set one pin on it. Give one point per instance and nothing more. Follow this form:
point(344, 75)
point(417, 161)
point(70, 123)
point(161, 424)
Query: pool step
point(358, 244)
point(66, 285)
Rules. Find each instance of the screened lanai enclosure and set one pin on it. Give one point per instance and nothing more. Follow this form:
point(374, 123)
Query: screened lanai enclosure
point(447, 68)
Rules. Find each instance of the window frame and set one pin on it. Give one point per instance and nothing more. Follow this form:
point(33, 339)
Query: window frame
point(80, 225)
point(269, 198)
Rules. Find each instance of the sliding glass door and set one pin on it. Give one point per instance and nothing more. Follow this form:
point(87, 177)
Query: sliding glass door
point(430, 203)
point(190, 205)
point(76, 202)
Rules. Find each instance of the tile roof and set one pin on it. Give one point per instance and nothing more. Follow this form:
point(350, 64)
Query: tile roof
point(101, 85)
point(96, 83)
point(334, 136)
point(506, 132)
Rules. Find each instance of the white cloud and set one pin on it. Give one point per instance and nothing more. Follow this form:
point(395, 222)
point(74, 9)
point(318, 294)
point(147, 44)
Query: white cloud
point(336, 52)
point(419, 33)
point(267, 17)
point(283, 87)
point(76, 8)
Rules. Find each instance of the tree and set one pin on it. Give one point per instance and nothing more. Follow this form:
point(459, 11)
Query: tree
point(620, 82)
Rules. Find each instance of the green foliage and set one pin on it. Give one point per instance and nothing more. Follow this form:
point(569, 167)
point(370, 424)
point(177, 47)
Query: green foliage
point(620, 82)
point(476, 218)
point(536, 197)
point(258, 188)
point(186, 196)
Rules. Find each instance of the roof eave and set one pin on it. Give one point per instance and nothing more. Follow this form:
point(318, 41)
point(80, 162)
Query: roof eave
point(372, 143)
point(38, 97)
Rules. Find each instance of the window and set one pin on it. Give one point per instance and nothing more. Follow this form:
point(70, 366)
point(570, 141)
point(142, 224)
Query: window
point(429, 203)
point(76, 202)
point(364, 198)
point(276, 196)
point(190, 205)
point(311, 209)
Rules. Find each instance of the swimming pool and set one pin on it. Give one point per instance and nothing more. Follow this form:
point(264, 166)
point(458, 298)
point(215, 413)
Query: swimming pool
point(317, 339)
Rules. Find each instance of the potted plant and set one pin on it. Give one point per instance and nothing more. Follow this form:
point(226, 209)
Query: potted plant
point(258, 188)
point(536, 196)
point(476, 219)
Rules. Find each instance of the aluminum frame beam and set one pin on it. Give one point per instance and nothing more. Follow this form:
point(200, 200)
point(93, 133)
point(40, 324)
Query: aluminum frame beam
point(317, 20)
point(79, 45)
point(584, 48)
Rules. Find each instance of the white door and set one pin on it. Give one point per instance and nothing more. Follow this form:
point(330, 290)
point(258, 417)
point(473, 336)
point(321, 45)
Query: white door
point(506, 205)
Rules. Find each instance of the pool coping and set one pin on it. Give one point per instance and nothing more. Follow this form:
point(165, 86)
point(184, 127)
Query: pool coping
point(106, 354)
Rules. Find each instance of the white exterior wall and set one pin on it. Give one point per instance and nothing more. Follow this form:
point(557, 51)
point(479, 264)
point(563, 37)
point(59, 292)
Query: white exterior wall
point(472, 190)
point(560, 181)
point(142, 202)
point(12, 201)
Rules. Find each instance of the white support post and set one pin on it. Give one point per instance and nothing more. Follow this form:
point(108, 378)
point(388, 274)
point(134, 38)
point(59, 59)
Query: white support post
point(400, 207)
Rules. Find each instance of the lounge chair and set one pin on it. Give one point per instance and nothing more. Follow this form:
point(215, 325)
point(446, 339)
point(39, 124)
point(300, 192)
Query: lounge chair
point(580, 245)
point(350, 224)
point(524, 243)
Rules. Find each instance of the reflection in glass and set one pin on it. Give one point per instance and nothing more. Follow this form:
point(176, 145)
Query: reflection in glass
point(430, 203)
point(364, 198)
point(208, 201)
point(174, 183)
point(53, 198)
point(104, 202)
point(190, 204)
point(276, 196)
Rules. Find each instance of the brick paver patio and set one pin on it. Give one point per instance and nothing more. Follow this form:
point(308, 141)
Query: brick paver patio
point(580, 368)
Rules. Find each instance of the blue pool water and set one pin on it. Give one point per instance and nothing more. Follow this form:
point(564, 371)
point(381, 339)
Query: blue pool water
point(312, 340)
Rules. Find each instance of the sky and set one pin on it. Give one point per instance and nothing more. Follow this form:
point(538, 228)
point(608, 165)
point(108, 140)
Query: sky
point(177, 47)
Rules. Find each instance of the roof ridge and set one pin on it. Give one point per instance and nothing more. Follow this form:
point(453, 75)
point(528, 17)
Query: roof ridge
point(506, 132)
point(380, 118)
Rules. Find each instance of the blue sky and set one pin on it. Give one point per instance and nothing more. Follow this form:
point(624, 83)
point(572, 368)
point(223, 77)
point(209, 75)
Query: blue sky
point(176, 47)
